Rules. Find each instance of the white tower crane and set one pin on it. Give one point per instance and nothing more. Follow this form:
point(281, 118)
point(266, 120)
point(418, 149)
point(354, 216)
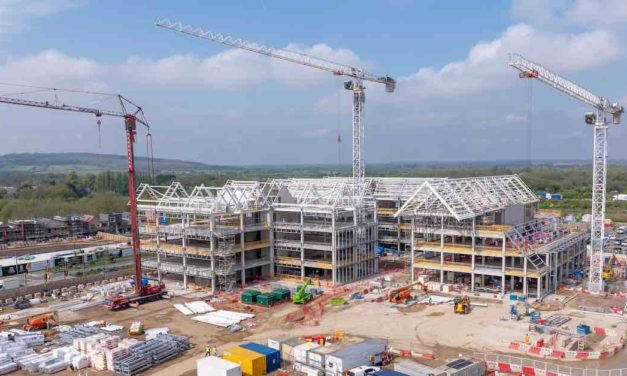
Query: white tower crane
point(356, 84)
point(602, 107)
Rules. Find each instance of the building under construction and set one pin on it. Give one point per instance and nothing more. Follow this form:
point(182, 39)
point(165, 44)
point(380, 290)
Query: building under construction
point(477, 232)
point(483, 234)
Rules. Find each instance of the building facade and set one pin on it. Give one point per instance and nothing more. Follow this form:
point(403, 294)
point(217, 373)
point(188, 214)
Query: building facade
point(482, 233)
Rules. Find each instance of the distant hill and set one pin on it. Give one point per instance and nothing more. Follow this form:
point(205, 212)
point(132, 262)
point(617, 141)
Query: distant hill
point(88, 162)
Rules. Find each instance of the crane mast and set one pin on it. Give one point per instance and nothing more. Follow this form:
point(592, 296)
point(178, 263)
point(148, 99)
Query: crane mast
point(597, 119)
point(355, 84)
point(130, 126)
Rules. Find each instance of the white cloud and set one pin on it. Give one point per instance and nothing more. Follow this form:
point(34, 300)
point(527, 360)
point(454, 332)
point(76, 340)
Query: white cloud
point(14, 14)
point(485, 67)
point(562, 13)
point(235, 68)
point(54, 68)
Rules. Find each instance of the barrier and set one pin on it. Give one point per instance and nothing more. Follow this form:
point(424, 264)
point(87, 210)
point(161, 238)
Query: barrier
point(530, 367)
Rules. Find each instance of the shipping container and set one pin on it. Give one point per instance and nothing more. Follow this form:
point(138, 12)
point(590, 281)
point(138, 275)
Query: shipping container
point(273, 357)
point(300, 351)
point(365, 353)
point(252, 363)
point(307, 370)
point(412, 368)
point(287, 348)
point(213, 366)
point(315, 358)
point(463, 367)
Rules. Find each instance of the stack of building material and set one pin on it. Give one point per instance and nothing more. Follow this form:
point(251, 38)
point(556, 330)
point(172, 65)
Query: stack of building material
point(78, 331)
point(153, 332)
point(80, 361)
point(184, 310)
point(142, 355)
point(29, 338)
point(110, 342)
point(199, 307)
point(52, 365)
point(98, 360)
point(114, 355)
point(223, 318)
point(132, 364)
point(7, 365)
point(127, 342)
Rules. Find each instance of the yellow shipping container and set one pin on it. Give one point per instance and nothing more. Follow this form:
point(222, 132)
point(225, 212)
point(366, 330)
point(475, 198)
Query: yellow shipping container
point(252, 363)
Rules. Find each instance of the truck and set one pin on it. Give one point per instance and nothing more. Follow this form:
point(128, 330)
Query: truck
point(148, 293)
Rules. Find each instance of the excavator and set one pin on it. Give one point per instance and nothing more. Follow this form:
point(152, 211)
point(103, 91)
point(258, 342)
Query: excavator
point(40, 322)
point(399, 296)
point(461, 305)
point(301, 296)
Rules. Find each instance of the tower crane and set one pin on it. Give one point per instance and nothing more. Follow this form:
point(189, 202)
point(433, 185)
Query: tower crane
point(131, 118)
point(357, 77)
point(602, 107)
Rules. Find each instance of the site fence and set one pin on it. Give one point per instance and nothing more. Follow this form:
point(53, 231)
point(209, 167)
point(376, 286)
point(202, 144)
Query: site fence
point(530, 367)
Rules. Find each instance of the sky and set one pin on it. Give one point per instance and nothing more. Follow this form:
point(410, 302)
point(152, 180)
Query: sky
point(456, 97)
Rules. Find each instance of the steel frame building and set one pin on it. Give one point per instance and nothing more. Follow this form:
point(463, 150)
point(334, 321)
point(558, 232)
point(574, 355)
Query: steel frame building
point(480, 232)
point(483, 233)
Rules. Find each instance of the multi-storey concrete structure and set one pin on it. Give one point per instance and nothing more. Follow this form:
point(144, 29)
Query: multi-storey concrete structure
point(217, 236)
point(482, 233)
point(479, 232)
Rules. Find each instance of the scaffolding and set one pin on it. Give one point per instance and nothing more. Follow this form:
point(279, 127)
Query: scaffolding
point(225, 263)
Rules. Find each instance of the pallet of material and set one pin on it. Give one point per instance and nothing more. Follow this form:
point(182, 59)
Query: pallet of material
point(183, 309)
point(223, 318)
point(199, 307)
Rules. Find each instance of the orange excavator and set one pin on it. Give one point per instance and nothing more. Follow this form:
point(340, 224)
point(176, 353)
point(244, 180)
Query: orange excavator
point(40, 322)
point(399, 296)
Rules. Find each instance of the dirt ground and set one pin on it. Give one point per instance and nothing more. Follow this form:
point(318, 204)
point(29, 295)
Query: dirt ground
point(431, 329)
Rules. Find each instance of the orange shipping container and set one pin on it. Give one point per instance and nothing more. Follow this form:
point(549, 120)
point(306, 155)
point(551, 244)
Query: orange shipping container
point(252, 363)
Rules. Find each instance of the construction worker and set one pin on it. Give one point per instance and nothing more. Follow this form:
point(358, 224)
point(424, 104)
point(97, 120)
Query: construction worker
point(214, 351)
point(207, 351)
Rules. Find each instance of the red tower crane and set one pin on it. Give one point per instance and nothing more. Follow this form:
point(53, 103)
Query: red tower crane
point(131, 118)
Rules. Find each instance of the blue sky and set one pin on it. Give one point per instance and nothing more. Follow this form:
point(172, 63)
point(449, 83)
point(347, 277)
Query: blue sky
point(456, 100)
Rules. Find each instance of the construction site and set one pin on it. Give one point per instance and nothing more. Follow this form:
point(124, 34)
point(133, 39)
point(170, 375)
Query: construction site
point(353, 276)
